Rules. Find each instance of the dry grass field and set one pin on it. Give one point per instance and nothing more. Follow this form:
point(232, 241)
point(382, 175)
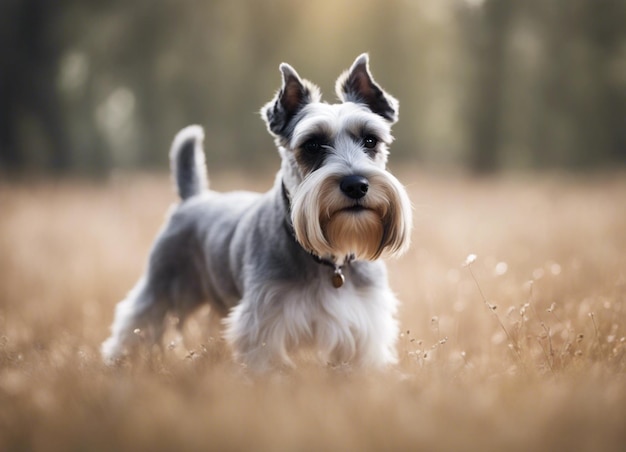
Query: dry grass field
point(523, 349)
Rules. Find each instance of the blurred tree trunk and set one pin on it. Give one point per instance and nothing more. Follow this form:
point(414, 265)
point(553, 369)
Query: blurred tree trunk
point(605, 28)
point(29, 55)
point(488, 36)
point(584, 94)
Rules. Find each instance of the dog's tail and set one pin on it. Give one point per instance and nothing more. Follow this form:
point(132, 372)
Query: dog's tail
point(187, 162)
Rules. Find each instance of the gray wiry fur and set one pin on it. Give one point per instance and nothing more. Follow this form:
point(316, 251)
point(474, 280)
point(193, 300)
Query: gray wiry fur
point(249, 255)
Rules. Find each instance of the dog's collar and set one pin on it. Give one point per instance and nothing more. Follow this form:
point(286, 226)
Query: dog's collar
point(337, 278)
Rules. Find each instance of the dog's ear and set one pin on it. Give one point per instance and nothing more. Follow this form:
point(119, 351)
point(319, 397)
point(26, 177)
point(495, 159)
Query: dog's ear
point(357, 85)
point(289, 100)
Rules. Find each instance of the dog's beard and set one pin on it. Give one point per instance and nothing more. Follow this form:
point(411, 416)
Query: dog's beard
point(327, 223)
point(354, 232)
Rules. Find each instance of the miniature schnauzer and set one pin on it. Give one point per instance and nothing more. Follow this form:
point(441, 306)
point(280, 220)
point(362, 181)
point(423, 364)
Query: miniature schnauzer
point(296, 266)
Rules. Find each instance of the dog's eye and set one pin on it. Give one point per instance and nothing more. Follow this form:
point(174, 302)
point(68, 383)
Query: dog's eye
point(370, 142)
point(312, 146)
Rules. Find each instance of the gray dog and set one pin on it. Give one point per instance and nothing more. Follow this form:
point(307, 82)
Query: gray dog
point(298, 265)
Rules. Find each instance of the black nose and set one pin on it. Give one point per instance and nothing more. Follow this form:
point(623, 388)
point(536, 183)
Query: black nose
point(354, 187)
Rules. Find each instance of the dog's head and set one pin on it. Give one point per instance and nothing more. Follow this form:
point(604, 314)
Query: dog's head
point(334, 157)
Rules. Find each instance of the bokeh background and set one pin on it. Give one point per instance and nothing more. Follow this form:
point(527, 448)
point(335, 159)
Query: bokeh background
point(89, 87)
point(523, 348)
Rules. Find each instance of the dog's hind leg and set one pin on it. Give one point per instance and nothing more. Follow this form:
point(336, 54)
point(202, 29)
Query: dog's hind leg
point(139, 318)
point(173, 284)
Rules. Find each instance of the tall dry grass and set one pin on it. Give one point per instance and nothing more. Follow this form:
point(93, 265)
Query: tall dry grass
point(521, 349)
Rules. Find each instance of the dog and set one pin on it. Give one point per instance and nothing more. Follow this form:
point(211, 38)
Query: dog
point(299, 265)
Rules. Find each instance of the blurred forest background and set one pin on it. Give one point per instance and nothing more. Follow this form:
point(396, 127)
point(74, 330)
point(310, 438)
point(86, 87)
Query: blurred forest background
point(89, 86)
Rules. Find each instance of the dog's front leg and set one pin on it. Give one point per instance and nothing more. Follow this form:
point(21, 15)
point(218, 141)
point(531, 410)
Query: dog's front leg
point(259, 337)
